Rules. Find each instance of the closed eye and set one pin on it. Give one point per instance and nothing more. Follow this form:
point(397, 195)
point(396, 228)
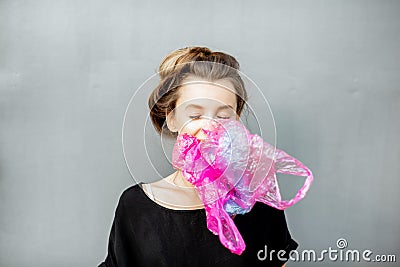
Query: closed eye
point(219, 117)
point(195, 117)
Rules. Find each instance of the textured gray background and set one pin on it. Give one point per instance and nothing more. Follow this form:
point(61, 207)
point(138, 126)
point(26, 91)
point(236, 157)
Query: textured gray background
point(330, 69)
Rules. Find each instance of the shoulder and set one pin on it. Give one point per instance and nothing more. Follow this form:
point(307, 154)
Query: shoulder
point(132, 192)
point(132, 199)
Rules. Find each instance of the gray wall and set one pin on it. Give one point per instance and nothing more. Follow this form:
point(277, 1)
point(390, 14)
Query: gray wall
point(330, 70)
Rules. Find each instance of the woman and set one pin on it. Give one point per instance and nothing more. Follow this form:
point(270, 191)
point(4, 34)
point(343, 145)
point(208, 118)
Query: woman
point(164, 223)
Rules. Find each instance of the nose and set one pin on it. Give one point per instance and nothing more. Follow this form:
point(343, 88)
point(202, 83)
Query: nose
point(200, 134)
point(201, 124)
point(207, 124)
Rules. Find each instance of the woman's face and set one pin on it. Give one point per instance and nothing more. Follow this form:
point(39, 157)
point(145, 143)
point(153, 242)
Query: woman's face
point(199, 102)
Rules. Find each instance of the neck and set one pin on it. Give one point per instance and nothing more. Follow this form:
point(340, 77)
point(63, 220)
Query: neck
point(179, 180)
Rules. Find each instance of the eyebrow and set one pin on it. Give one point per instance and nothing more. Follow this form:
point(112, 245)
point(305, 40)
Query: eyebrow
point(201, 107)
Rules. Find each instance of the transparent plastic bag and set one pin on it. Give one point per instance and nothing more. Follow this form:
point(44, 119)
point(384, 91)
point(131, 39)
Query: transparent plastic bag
point(231, 169)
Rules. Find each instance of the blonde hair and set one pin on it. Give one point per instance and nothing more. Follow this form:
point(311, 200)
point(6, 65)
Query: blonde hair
point(183, 63)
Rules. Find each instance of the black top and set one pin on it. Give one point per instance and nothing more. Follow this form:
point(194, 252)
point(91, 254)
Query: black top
point(144, 233)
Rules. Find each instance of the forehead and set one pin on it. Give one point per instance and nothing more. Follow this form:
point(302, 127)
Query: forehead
point(204, 92)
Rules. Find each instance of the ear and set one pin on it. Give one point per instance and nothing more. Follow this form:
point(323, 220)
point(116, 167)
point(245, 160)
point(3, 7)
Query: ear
point(170, 119)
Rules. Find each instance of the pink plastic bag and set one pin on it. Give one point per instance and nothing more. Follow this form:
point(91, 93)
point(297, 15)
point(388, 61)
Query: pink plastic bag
point(231, 169)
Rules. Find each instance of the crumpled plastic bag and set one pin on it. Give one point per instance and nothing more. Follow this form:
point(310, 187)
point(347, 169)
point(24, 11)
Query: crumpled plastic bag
point(231, 169)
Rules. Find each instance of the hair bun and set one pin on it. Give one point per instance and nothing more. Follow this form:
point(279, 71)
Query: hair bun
point(194, 53)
